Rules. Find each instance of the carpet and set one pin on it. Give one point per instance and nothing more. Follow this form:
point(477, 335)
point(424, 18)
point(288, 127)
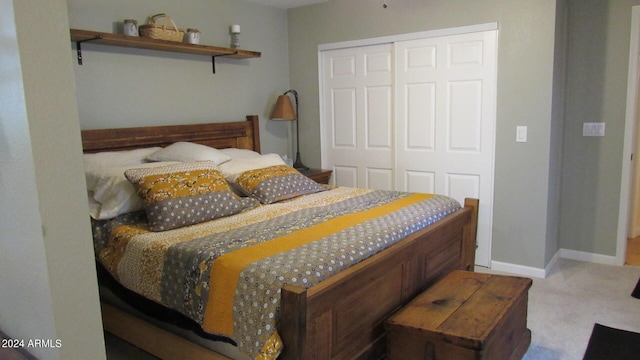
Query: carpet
point(607, 343)
point(636, 291)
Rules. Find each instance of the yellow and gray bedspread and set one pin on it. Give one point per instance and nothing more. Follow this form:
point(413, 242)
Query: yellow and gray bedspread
point(226, 274)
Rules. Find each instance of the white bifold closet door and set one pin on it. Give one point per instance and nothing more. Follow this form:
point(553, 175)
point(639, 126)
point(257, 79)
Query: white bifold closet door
point(415, 115)
point(445, 128)
point(358, 109)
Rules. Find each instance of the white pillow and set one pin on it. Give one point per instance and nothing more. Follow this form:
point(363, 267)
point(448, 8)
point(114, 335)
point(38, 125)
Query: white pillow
point(110, 159)
point(110, 193)
point(189, 152)
point(237, 166)
point(236, 153)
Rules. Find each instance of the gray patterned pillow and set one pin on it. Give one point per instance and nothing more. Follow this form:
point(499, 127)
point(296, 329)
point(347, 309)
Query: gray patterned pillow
point(275, 183)
point(185, 194)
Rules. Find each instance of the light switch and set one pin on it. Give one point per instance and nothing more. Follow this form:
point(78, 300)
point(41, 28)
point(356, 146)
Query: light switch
point(521, 134)
point(593, 129)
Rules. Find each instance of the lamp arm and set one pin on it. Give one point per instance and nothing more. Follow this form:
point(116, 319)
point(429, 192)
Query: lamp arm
point(295, 96)
point(298, 163)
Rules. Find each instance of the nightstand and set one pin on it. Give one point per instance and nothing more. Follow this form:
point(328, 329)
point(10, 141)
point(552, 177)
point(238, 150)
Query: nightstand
point(320, 176)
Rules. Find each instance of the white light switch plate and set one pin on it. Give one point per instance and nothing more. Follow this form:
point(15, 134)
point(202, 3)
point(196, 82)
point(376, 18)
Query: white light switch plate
point(521, 134)
point(593, 129)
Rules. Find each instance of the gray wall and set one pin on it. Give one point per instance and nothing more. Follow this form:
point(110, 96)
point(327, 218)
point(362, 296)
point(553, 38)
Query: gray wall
point(561, 63)
point(43, 247)
point(597, 68)
point(526, 185)
point(121, 87)
point(47, 278)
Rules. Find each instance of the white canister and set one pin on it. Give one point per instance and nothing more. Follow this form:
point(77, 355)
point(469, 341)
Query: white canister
point(130, 27)
point(193, 36)
point(234, 30)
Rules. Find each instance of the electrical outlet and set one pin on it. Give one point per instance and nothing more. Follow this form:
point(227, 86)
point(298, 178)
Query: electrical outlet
point(593, 129)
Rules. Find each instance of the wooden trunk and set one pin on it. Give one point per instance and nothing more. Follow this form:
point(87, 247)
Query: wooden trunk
point(464, 316)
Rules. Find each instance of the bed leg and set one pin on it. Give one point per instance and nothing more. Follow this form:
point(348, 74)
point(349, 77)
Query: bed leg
point(293, 322)
point(469, 244)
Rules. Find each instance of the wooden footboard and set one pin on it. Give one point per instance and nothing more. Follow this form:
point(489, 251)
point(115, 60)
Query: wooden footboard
point(341, 318)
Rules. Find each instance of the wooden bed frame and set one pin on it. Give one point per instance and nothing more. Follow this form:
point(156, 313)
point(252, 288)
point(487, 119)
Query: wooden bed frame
point(341, 317)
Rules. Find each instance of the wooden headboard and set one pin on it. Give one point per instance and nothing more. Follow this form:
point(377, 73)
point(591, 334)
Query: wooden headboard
point(238, 134)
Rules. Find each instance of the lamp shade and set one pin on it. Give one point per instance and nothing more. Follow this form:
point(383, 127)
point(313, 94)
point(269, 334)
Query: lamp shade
point(283, 109)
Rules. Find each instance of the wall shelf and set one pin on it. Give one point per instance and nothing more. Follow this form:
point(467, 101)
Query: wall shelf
point(102, 38)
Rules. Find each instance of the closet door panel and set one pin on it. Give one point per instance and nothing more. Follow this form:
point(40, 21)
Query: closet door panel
point(420, 181)
point(378, 117)
point(358, 116)
point(464, 116)
point(420, 116)
point(344, 118)
point(445, 121)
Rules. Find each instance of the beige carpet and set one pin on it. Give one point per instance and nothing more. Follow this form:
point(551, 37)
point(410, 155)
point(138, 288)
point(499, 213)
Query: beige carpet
point(562, 310)
point(564, 307)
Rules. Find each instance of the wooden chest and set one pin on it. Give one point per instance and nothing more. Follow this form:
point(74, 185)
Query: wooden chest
point(466, 315)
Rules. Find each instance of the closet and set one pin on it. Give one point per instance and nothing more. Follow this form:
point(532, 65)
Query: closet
point(415, 113)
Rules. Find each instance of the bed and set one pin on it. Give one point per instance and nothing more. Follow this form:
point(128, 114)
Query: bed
point(341, 316)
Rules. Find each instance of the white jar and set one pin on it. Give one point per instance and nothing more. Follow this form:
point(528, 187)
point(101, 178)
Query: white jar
point(130, 27)
point(234, 30)
point(193, 36)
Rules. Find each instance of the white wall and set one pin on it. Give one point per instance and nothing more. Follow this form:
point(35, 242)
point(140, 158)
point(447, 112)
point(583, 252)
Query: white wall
point(47, 277)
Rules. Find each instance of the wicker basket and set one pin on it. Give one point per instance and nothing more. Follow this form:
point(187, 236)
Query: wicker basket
point(161, 32)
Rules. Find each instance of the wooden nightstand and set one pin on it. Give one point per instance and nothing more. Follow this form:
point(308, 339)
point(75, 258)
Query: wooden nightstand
point(320, 176)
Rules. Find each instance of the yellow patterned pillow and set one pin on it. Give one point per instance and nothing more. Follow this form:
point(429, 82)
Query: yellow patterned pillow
point(275, 183)
point(185, 194)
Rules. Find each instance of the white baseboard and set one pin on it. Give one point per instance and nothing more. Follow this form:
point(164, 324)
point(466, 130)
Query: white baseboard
point(588, 257)
point(562, 253)
point(515, 269)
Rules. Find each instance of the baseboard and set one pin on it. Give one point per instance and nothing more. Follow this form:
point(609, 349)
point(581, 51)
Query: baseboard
point(522, 270)
point(588, 257)
point(516, 269)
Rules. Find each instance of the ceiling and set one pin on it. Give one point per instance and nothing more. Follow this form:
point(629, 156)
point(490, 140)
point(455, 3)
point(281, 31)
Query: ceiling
point(286, 4)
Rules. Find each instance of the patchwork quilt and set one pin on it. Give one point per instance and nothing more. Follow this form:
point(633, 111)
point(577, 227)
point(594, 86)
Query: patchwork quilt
point(226, 274)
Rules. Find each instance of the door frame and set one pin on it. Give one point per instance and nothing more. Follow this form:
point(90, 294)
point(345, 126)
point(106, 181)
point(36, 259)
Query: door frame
point(409, 36)
point(629, 137)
